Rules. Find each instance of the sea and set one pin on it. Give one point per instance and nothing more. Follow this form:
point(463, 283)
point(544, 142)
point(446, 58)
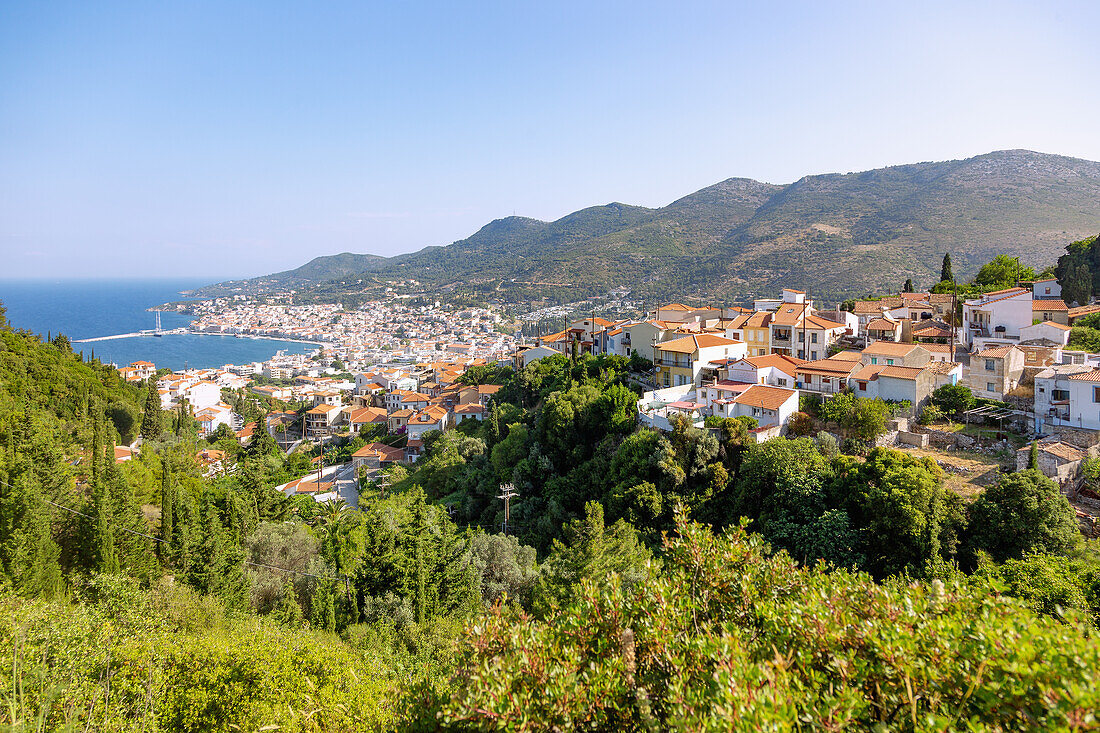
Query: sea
point(90, 308)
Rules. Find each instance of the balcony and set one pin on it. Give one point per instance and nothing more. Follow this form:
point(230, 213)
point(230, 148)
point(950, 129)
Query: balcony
point(679, 363)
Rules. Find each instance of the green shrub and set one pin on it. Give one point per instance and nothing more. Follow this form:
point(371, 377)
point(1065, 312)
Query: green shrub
point(800, 424)
point(729, 638)
point(126, 659)
point(930, 414)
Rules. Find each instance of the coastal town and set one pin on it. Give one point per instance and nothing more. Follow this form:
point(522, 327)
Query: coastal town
point(395, 371)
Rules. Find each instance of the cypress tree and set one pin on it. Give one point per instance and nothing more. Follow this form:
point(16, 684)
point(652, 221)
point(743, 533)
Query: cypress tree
point(908, 286)
point(97, 441)
point(1033, 455)
point(167, 506)
point(945, 271)
point(106, 559)
point(152, 422)
point(322, 608)
point(492, 431)
point(288, 612)
point(29, 556)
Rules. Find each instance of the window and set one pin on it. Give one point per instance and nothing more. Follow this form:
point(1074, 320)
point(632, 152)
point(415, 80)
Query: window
point(874, 360)
point(781, 382)
point(862, 386)
point(1046, 316)
point(990, 387)
point(990, 365)
point(1058, 395)
point(813, 355)
point(756, 412)
point(889, 362)
point(1096, 394)
point(1048, 291)
point(813, 338)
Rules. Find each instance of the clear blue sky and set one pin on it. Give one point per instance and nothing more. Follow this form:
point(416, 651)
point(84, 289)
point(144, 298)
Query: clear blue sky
point(229, 139)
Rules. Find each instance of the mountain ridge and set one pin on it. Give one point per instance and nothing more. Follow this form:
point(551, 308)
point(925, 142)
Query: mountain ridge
point(835, 234)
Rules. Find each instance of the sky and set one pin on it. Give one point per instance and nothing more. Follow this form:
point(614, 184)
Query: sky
point(231, 139)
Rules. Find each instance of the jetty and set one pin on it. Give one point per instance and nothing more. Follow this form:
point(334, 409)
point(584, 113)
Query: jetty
point(149, 332)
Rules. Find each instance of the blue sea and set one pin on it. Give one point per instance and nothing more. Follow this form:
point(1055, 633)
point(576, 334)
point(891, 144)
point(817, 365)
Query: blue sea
point(89, 308)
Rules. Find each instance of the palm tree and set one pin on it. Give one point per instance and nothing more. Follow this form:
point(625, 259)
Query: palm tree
point(332, 514)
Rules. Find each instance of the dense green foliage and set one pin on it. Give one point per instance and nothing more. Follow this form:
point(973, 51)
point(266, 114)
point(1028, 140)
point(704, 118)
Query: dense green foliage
point(1078, 271)
point(726, 637)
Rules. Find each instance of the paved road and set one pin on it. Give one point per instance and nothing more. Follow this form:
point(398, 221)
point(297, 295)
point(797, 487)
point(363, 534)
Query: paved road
point(347, 485)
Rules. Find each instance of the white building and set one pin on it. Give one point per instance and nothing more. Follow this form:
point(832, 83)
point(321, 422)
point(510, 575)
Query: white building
point(997, 317)
point(1069, 395)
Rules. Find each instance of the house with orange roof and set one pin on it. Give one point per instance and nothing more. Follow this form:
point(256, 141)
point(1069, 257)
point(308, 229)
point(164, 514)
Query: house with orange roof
point(997, 316)
point(995, 371)
point(888, 353)
point(754, 328)
point(637, 336)
point(1050, 309)
point(359, 417)
point(1068, 395)
point(469, 411)
point(1082, 311)
point(245, 434)
point(319, 487)
point(1045, 333)
point(826, 376)
point(589, 327)
point(883, 328)
point(322, 420)
point(932, 331)
point(797, 331)
point(211, 462)
point(1056, 460)
point(374, 456)
point(209, 418)
point(477, 394)
point(398, 419)
point(770, 406)
point(682, 360)
point(774, 369)
point(894, 383)
point(272, 391)
point(433, 417)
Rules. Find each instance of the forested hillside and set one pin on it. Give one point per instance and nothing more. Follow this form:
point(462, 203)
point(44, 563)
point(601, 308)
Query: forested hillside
point(834, 235)
point(693, 580)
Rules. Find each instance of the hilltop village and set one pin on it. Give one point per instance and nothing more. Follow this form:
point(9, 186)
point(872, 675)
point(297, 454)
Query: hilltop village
point(998, 371)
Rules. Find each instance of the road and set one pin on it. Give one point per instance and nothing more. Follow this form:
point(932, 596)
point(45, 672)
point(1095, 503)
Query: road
point(347, 485)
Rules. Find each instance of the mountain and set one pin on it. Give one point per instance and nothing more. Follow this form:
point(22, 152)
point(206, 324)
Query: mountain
point(833, 235)
point(318, 270)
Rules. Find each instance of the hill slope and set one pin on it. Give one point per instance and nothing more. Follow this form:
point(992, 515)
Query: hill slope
point(834, 235)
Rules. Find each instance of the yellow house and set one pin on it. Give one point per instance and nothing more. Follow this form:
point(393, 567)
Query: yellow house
point(754, 328)
point(681, 360)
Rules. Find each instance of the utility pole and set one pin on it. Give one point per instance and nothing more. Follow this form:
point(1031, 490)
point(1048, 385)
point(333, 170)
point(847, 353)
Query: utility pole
point(507, 493)
point(954, 310)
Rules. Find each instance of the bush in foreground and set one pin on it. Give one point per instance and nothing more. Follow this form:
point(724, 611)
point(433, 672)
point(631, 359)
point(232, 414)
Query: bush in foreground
point(730, 638)
point(168, 659)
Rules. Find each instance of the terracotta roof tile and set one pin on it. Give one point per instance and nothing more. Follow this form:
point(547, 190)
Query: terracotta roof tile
point(765, 396)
